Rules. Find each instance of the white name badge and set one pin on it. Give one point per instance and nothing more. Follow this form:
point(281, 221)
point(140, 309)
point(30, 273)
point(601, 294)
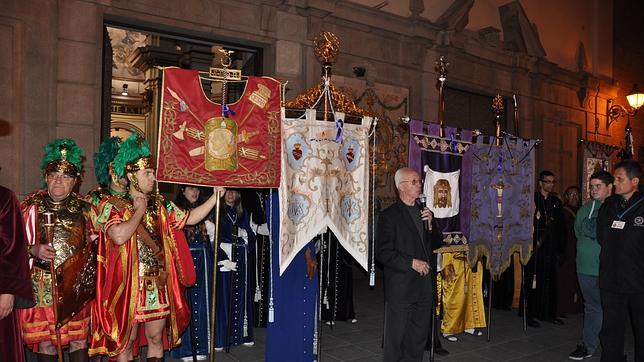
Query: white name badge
point(617, 224)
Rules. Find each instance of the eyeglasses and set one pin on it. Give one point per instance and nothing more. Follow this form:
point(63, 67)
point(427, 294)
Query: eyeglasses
point(413, 182)
point(63, 177)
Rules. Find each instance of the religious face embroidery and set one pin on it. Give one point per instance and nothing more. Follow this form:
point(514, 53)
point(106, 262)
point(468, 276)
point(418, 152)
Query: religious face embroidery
point(442, 191)
point(442, 194)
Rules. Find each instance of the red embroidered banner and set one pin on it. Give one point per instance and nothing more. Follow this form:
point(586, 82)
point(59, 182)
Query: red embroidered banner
point(200, 146)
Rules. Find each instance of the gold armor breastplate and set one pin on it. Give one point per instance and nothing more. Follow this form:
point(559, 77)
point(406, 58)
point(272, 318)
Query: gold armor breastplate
point(148, 262)
point(70, 228)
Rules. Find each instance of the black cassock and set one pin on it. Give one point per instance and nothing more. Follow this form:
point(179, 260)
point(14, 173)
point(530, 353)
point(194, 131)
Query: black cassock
point(253, 201)
point(337, 281)
point(548, 246)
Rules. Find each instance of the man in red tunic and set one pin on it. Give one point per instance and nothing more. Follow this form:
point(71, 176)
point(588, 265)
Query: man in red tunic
point(139, 298)
point(15, 282)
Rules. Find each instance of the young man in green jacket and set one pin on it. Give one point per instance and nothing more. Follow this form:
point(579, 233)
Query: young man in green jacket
point(588, 249)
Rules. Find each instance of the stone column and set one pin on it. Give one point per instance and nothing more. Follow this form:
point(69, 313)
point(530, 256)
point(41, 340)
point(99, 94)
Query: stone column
point(158, 52)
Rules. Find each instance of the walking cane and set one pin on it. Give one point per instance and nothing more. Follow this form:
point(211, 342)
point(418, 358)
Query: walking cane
point(49, 232)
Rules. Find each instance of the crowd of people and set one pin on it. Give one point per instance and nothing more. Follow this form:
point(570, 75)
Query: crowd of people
point(588, 256)
point(153, 259)
point(149, 262)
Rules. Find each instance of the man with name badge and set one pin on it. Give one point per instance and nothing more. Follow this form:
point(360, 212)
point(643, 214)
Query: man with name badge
point(620, 232)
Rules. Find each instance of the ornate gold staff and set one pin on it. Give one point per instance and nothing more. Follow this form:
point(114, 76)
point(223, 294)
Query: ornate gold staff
point(497, 108)
point(224, 75)
point(441, 69)
point(326, 48)
point(213, 308)
point(49, 233)
point(516, 116)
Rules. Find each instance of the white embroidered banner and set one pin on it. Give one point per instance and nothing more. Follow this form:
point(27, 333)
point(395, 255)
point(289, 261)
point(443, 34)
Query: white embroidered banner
point(324, 185)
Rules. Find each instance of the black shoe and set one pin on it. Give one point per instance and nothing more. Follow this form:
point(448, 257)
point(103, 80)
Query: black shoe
point(580, 353)
point(533, 323)
point(79, 355)
point(558, 322)
point(46, 357)
point(441, 351)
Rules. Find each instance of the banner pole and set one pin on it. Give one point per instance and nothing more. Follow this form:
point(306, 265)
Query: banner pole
point(213, 305)
point(524, 299)
point(489, 308)
point(49, 233)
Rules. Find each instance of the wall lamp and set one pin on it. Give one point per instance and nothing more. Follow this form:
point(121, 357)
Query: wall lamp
point(124, 91)
point(614, 111)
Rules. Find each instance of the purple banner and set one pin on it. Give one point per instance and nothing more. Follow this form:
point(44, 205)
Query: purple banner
point(445, 166)
point(502, 202)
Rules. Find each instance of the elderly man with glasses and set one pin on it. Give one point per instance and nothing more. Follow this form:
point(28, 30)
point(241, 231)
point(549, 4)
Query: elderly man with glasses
point(407, 235)
point(72, 237)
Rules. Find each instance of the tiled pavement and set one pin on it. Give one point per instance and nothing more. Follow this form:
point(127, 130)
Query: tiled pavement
point(360, 342)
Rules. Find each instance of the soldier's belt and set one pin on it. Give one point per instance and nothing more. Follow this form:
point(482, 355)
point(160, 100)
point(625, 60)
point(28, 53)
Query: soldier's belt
point(39, 272)
point(151, 273)
point(41, 264)
point(160, 275)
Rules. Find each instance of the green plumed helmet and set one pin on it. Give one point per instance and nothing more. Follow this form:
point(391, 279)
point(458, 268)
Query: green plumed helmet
point(107, 151)
point(64, 155)
point(134, 154)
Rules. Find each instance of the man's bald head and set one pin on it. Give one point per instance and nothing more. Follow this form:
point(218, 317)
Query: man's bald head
point(401, 175)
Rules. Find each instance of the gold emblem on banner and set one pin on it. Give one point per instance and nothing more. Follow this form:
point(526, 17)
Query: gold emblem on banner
point(220, 144)
point(228, 74)
point(261, 96)
point(225, 73)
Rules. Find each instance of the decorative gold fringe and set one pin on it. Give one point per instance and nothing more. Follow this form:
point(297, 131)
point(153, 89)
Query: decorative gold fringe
point(341, 101)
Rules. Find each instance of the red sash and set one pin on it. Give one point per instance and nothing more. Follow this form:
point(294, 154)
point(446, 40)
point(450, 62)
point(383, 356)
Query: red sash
point(185, 266)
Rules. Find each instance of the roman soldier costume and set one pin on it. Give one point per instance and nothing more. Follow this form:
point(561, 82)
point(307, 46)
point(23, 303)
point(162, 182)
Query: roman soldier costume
point(75, 259)
point(143, 279)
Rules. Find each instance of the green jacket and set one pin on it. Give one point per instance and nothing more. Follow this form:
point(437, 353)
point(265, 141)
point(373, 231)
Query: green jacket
point(587, 246)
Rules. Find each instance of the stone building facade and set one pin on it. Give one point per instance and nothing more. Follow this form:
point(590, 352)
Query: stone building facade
point(52, 58)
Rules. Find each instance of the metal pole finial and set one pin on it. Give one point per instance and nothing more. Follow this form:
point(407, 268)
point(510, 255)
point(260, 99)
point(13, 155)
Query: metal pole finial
point(441, 69)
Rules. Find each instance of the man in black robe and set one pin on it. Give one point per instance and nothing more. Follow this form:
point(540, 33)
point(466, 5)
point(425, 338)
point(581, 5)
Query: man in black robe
point(540, 280)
